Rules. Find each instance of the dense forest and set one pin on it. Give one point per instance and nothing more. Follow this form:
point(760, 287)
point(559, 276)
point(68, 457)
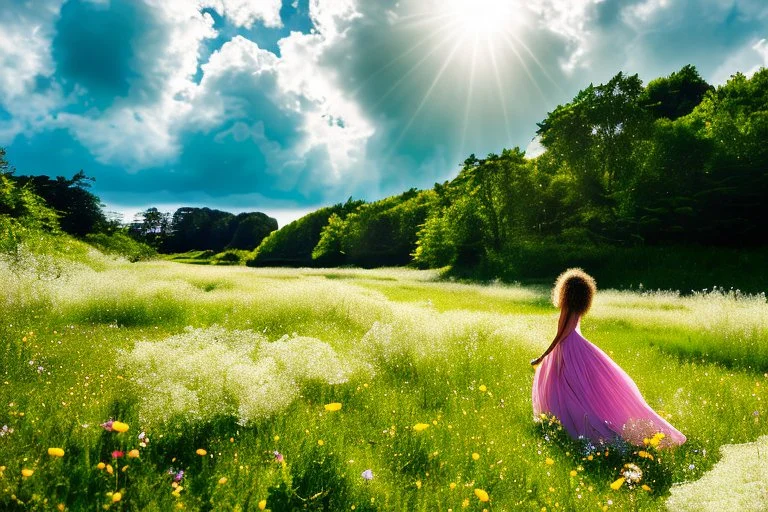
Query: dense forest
point(626, 167)
point(674, 162)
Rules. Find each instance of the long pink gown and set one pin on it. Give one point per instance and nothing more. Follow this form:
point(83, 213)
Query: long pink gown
point(593, 397)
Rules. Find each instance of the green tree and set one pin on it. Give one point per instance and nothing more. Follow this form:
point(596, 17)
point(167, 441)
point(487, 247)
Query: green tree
point(676, 95)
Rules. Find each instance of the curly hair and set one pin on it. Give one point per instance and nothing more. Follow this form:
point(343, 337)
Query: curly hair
point(574, 290)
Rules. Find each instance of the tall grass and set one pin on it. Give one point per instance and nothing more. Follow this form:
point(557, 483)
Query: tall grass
point(242, 362)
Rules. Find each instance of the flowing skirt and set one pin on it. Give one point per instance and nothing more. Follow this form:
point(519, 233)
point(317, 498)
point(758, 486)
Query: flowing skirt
point(594, 398)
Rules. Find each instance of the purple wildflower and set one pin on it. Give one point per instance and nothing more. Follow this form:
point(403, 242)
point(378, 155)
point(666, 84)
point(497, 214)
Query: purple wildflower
point(367, 474)
point(107, 425)
point(279, 457)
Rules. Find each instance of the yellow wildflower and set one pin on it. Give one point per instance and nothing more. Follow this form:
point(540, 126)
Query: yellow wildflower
point(110, 469)
point(483, 388)
point(549, 461)
point(262, 504)
point(116, 497)
point(320, 442)
point(644, 454)
point(55, 452)
point(420, 426)
point(276, 438)
point(133, 454)
point(482, 495)
point(119, 426)
point(27, 472)
point(646, 488)
point(617, 484)
point(475, 456)
point(201, 452)
point(573, 472)
point(335, 406)
point(222, 480)
point(61, 507)
point(452, 486)
point(418, 484)
point(101, 465)
point(465, 503)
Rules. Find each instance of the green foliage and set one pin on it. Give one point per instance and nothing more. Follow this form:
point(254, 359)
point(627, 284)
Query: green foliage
point(120, 244)
point(382, 233)
point(192, 229)
point(329, 251)
point(79, 210)
point(676, 95)
point(292, 245)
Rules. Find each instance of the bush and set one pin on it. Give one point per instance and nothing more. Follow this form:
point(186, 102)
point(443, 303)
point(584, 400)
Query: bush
point(120, 244)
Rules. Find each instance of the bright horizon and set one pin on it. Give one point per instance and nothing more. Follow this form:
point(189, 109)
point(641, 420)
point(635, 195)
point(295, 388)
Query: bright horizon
point(283, 107)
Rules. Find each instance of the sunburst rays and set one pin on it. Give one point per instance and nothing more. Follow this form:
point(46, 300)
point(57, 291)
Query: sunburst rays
point(480, 43)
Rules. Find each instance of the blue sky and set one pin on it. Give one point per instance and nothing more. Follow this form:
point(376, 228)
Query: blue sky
point(285, 106)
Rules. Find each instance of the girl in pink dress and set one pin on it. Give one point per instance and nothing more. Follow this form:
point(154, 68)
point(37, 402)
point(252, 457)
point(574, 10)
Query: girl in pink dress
point(578, 383)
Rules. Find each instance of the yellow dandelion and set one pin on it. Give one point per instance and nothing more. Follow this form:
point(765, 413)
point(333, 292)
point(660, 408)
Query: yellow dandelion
point(646, 488)
point(452, 486)
point(482, 495)
point(101, 465)
point(262, 504)
point(549, 461)
point(222, 480)
point(61, 507)
point(119, 426)
point(133, 454)
point(320, 442)
point(465, 503)
point(27, 472)
point(590, 457)
point(276, 438)
point(201, 452)
point(418, 484)
point(644, 454)
point(117, 497)
point(332, 407)
point(55, 452)
point(617, 484)
point(475, 456)
point(420, 426)
point(110, 469)
point(573, 472)
point(483, 388)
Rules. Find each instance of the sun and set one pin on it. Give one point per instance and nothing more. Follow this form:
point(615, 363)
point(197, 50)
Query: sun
point(465, 54)
point(485, 19)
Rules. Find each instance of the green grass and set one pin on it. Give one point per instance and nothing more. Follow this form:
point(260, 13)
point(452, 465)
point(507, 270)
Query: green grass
point(268, 348)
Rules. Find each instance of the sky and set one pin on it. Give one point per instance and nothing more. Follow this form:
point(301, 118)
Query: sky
point(286, 106)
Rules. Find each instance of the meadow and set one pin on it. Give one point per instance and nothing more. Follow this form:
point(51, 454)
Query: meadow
point(159, 386)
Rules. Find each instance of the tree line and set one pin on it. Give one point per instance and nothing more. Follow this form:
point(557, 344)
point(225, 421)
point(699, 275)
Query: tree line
point(673, 162)
point(67, 205)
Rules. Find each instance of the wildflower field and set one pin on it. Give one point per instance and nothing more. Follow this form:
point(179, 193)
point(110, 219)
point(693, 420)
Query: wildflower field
point(160, 386)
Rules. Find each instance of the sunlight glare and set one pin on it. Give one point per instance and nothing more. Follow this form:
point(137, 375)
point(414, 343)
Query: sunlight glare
point(475, 18)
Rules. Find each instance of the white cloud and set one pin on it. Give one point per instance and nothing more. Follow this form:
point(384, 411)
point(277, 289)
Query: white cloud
point(25, 57)
point(331, 17)
point(571, 20)
point(244, 13)
point(138, 131)
point(747, 59)
point(645, 11)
